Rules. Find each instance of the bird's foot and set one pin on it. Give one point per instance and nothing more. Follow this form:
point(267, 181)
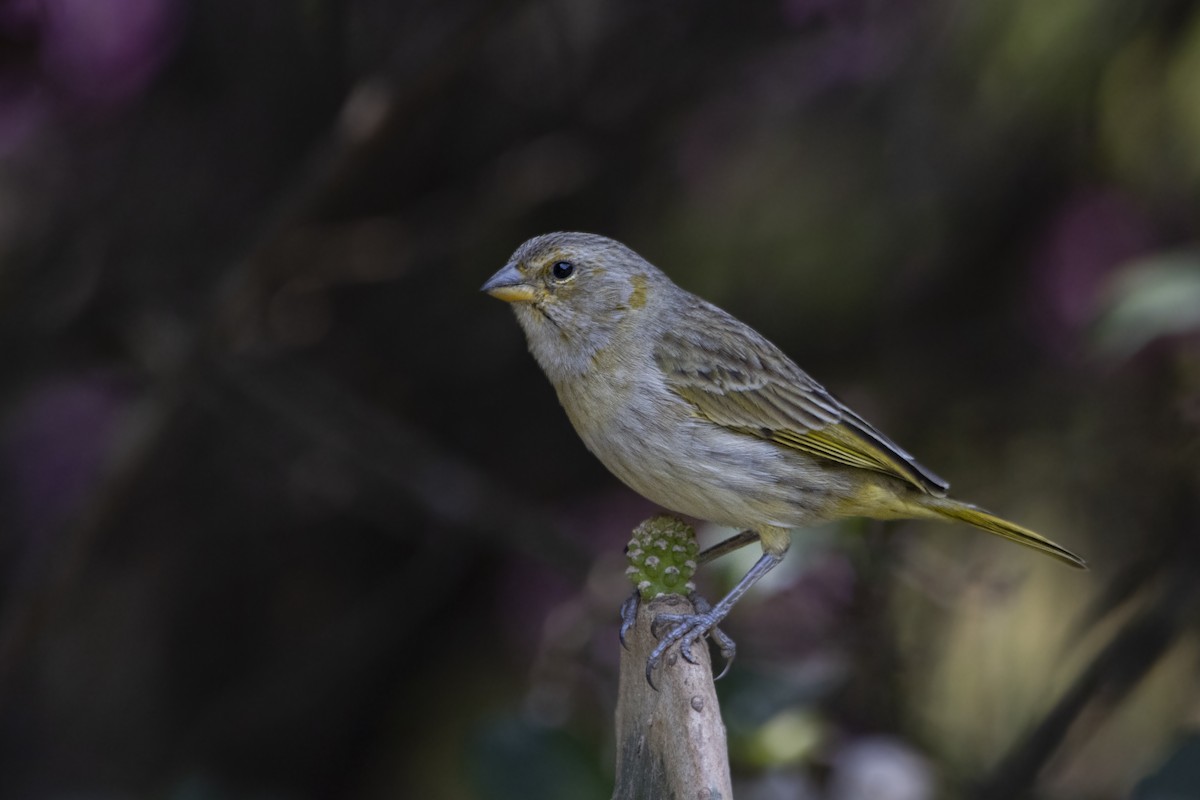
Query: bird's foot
point(686, 629)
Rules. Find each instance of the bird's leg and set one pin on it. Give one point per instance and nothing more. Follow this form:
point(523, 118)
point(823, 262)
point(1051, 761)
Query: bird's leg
point(689, 627)
point(735, 542)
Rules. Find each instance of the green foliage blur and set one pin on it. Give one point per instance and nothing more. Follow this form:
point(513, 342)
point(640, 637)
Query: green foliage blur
point(288, 512)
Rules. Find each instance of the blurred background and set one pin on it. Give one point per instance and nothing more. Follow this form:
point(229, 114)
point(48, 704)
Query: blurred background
point(287, 510)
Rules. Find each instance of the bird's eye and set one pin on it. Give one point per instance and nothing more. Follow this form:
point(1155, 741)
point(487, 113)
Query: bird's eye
point(562, 270)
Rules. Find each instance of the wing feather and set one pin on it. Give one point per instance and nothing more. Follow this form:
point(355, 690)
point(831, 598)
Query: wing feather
point(735, 378)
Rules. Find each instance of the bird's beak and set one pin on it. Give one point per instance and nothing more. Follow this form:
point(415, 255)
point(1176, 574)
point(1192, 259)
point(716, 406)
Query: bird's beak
point(509, 285)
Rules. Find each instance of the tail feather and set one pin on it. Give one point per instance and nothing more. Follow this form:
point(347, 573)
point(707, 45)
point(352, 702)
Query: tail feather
point(973, 515)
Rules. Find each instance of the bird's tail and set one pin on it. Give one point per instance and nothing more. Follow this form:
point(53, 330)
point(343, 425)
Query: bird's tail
point(973, 515)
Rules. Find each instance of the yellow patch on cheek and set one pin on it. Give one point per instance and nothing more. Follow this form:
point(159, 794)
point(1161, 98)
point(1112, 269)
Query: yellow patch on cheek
point(638, 298)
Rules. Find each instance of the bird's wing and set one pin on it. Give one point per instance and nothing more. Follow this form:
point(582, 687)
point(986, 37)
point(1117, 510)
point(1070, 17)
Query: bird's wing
point(735, 378)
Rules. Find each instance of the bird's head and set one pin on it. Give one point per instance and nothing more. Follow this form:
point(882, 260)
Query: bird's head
point(572, 294)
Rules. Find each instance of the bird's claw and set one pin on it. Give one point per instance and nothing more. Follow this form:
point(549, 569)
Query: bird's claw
point(728, 650)
point(689, 627)
point(686, 629)
point(629, 611)
point(724, 643)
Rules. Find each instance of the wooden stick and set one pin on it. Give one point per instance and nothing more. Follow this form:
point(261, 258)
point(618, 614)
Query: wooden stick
point(670, 742)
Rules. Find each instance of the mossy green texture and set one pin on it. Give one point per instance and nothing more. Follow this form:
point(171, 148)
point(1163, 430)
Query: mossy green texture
point(662, 557)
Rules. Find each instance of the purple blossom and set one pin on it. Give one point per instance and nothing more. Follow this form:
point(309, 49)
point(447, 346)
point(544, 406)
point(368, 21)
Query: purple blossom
point(54, 445)
point(78, 57)
point(1093, 233)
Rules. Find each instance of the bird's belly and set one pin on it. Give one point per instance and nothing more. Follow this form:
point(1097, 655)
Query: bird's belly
point(692, 466)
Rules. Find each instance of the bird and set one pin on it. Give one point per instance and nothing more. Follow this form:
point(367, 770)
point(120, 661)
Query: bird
point(701, 414)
